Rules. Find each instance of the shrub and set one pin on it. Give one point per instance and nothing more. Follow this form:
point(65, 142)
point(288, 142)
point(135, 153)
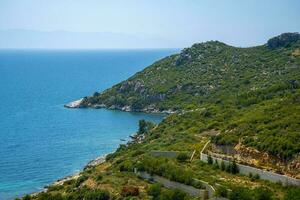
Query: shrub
point(240, 193)
point(130, 191)
point(154, 190)
point(127, 165)
point(234, 168)
point(223, 166)
point(27, 197)
point(55, 188)
point(80, 180)
point(216, 165)
point(99, 177)
point(182, 157)
point(253, 177)
point(48, 196)
point(137, 153)
point(262, 194)
point(221, 192)
point(209, 160)
point(292, 193)
point(96, 195)
point(178, 195)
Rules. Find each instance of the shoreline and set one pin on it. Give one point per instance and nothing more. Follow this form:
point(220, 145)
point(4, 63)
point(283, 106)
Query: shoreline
point(96, 161)
point(77, 104)
point(92, 163)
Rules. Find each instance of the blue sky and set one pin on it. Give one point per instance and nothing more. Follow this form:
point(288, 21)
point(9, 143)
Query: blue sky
point(148, 23)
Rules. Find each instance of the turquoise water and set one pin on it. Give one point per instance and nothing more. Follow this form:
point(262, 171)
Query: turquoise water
point(40, 140)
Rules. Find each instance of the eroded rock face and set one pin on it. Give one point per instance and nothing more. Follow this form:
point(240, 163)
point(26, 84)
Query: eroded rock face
point(283, 40)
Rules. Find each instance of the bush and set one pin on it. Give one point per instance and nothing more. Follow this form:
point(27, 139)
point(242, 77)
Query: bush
point(163, 167)
point(97, 195)
point(240, 193)
point(80, 180)
point(127, 166)
point(222, 192)
point(145, 126)
point(137, 153)
point(292, 193)
point(48, 196)
point(154, 190)
point(216, 165)
point(55, 187)
point(27, 197)
point(130, 191)
point(254, 177)
point(178, 195)
point(209, 160)
point(172, 195)
point(99, 177)
point(262, 194)
point(182, 157)
point(223, 166)
point(234, 168)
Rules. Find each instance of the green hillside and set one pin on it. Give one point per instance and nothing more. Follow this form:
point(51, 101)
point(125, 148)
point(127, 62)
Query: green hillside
point(251, 91)
point(246, 97)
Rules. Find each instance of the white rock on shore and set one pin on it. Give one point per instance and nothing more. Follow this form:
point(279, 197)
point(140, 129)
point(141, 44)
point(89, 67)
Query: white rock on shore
point(74, 104)
point(97, 161)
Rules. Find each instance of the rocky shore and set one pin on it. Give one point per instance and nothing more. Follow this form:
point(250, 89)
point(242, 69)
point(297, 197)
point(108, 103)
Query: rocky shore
point(97, 161)
point(74, 104)
point(127, 108)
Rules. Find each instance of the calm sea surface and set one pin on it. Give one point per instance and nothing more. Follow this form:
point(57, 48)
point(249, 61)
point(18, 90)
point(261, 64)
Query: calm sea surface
point(40, 140)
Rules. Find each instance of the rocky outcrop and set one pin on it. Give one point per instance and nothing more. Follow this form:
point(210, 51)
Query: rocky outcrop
point(283, 40)
point(74, 104)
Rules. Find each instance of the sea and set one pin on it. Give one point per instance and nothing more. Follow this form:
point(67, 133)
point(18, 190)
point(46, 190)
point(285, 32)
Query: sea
point(40, 140)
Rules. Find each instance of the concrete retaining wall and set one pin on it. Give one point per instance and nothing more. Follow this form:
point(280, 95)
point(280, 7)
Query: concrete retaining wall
point(174, 185)
point(263, 174)
point(167, 154)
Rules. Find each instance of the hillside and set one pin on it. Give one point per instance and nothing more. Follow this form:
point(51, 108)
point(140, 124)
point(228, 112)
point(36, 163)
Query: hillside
point(246, 101)
point(210, 72)
point(255, 90)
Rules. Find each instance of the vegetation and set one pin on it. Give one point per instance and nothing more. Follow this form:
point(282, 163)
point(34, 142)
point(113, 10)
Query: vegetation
point(164, 167)
point(251, 93)
point(145, 126)
point(251, 96)
point(158, 193)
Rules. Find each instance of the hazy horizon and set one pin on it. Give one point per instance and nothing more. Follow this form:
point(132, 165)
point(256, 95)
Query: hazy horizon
point(139, 24)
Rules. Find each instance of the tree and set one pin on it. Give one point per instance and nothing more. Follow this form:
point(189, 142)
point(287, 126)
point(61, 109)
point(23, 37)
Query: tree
point(142, 126)
point(223, 167)
point(234, 168)
point(209, 160)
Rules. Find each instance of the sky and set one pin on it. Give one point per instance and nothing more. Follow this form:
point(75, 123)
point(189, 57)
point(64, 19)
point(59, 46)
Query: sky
point(143, 23)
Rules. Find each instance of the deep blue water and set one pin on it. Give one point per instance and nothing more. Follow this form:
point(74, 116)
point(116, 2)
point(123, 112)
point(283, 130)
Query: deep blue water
point(40, 140)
